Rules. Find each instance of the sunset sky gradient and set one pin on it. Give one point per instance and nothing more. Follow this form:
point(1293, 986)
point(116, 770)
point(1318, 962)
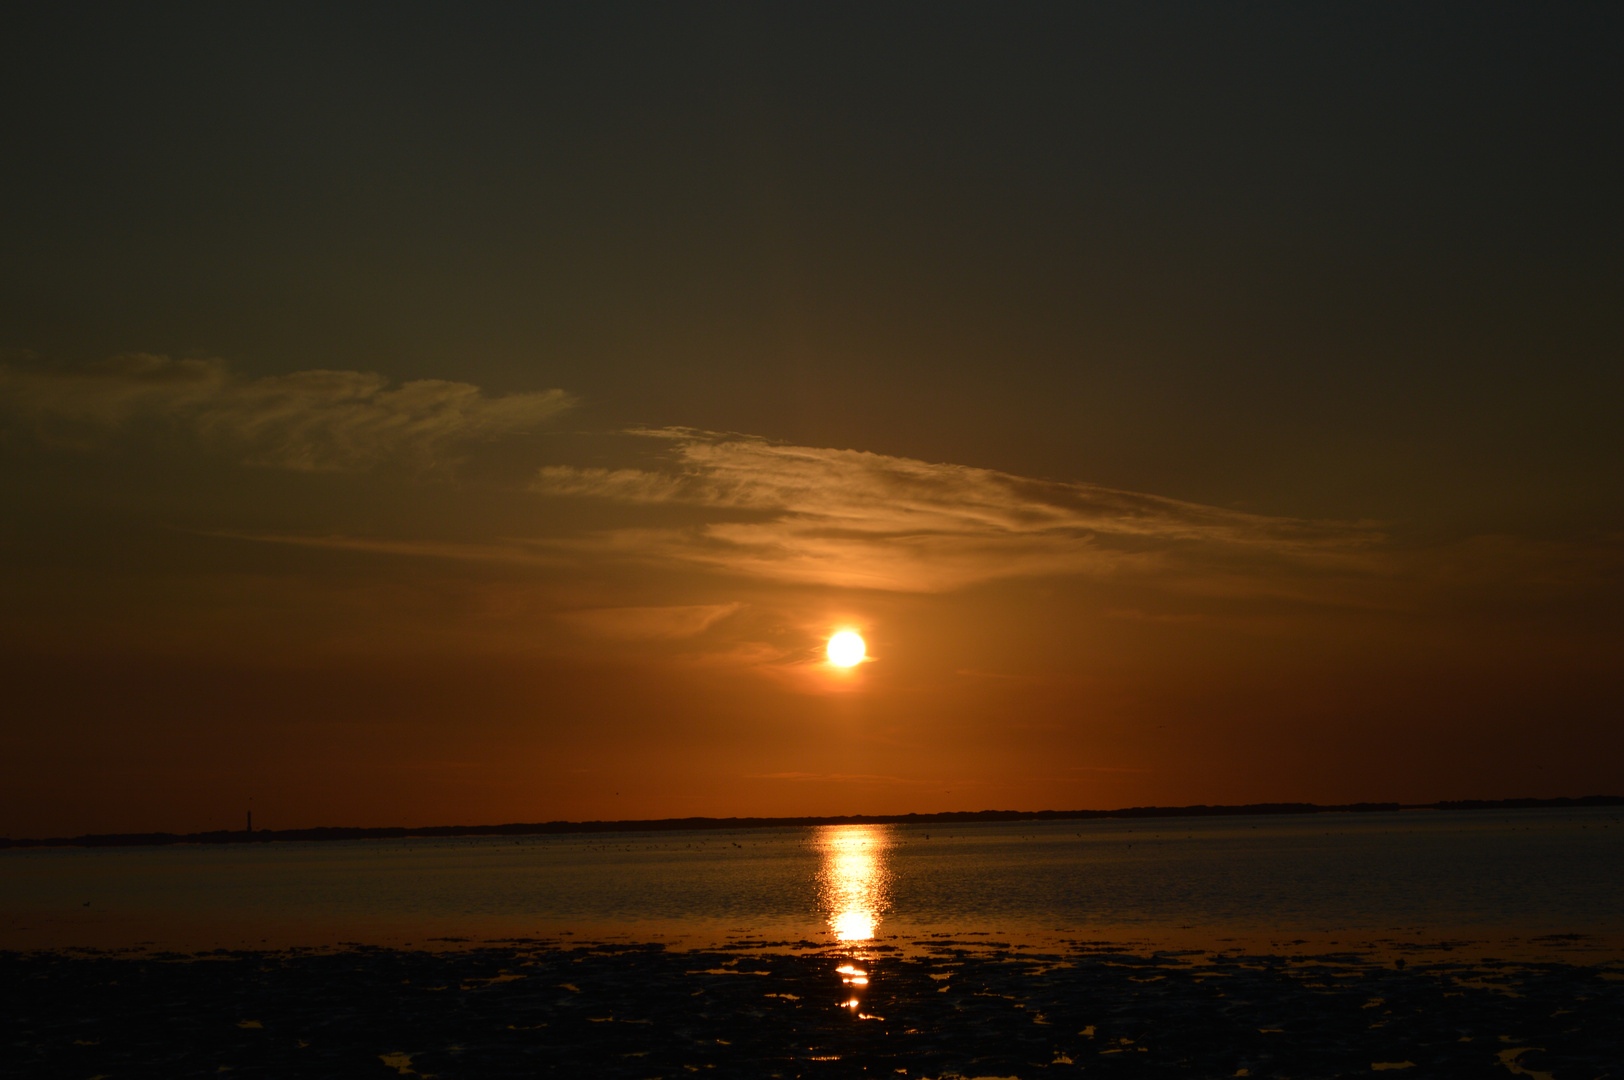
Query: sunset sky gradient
point(424, 413)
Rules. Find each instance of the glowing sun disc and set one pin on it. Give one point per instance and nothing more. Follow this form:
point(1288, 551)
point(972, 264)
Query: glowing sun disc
point(846, 649)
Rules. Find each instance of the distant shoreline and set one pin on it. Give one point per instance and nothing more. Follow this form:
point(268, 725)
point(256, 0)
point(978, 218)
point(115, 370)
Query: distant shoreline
point(260, 836)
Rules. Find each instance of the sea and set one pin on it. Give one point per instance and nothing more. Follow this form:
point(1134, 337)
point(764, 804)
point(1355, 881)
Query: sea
point(1512, 882)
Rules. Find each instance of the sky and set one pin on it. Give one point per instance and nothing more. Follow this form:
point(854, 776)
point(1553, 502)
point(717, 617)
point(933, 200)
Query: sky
point(422, 414)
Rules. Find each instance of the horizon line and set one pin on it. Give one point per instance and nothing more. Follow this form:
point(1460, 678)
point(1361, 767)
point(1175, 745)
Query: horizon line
point(696, 824)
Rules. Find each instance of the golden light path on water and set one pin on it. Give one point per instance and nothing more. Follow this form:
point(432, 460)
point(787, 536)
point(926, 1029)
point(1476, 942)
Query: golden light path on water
point(854, 879)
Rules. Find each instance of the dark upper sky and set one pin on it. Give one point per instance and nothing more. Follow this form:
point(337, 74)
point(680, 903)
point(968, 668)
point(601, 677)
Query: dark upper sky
point(1353, 263)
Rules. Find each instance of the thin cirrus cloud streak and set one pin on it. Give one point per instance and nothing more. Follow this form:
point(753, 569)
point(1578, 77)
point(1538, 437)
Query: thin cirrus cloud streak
point(849, 518)
point(313, 421)
point(650, 623)
point(842, 778)
point(518, 554)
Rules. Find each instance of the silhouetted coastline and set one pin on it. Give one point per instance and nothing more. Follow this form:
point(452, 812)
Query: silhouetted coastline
point(238, 836)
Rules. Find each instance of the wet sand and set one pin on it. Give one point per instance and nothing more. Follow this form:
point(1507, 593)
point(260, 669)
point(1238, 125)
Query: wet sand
point(936, 1007)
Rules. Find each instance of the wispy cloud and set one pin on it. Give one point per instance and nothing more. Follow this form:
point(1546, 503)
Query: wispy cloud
point(840, 778)
point(307, 420)
point(650, 623)
point(520, 554)
point(857, 519)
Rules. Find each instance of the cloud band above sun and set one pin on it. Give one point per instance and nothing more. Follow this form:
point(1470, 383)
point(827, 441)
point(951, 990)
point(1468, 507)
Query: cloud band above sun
point(731, 505)
point(312, 421)
point(855, 519)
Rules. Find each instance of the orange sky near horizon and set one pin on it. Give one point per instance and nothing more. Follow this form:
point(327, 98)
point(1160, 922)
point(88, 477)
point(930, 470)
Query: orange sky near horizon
point(655, 648)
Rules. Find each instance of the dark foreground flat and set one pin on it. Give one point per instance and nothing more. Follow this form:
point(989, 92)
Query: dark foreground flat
point(533, 1009)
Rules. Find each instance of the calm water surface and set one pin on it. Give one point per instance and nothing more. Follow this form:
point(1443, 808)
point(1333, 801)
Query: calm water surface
point(1541, 871)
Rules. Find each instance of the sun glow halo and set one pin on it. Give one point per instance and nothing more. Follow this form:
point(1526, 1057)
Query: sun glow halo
point(846, 649)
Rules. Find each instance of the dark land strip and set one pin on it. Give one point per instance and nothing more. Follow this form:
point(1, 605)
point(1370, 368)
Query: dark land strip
point(779, 1009)
point(237, 836)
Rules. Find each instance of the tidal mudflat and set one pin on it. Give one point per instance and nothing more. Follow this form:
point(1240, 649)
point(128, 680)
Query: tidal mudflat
point(939, 1007)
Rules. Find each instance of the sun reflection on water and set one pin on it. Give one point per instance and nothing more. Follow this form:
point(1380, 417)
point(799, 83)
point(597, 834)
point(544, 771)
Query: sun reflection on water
point(854, 880)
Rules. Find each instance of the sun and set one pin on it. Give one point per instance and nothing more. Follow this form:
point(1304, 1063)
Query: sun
point(846, 649)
